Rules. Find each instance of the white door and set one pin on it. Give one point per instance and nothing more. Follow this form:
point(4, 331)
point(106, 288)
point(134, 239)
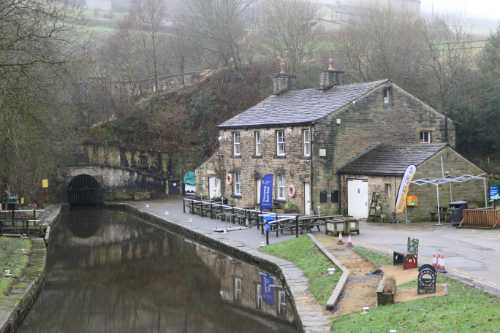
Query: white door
point(357, 198)
point(214, 187)
point(258, 186)
point(307, 199)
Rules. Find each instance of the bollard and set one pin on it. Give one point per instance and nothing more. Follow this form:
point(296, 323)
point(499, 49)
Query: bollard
point(184, 205)
point(267, 237)
point(192, 206)
point(297, 226)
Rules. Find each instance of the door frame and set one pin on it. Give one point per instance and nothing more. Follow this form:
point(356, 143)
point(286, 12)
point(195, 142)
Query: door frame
point(367, 194)
point(307, 208)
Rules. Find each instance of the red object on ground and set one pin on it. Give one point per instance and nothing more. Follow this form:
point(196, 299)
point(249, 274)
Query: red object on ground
point(410, 262)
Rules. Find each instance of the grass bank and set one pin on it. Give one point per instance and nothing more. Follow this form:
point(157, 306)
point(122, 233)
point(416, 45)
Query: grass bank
point(465, 309)
point(306, 256)
point(12, 258)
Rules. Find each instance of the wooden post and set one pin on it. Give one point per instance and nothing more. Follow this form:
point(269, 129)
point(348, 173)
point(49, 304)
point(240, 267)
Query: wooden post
point(267, 237)
point(184, 205)
point(192, 206)
point(297, 226)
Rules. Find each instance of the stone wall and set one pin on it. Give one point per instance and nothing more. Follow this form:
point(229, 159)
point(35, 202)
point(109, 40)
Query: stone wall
point(454, 165)
point(364, 125)
point(294, 166)
point(375, 184)
point(341, 136)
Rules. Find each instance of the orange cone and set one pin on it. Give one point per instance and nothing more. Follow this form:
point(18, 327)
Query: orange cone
point(349, 241)
point(434, 261)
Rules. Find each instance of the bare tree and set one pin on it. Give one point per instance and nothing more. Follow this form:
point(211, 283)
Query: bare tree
point(289, 28)
point(217, 26)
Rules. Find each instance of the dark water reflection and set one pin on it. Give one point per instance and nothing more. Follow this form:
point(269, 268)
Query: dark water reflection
point(110, 272)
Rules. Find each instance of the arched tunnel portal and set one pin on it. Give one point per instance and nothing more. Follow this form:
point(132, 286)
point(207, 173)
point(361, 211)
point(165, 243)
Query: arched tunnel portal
point(84, 190)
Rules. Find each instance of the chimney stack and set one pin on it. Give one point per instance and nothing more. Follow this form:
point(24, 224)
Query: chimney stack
point(331, 77)
point(281, 81)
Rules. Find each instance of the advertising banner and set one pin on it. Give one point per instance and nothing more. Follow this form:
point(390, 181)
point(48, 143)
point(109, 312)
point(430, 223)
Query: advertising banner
point(404, 188)
point(266, 193)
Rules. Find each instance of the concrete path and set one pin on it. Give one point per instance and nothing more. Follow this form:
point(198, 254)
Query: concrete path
point(471, 255)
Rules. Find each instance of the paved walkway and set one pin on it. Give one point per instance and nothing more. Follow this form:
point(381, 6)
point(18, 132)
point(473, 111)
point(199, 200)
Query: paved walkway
point(473, 255)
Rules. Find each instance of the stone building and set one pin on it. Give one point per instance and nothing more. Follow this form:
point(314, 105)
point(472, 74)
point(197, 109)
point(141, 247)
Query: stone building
point(304, 138)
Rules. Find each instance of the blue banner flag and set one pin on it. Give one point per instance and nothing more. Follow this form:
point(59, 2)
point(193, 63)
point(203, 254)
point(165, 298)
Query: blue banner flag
point(266, 282)
point(494, 192)
point(266, 192)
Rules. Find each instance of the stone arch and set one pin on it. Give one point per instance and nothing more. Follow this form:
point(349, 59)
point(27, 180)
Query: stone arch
point(84, 190)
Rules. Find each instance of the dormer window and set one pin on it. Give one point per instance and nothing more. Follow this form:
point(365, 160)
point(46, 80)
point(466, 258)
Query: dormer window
point(236, 144)
point(387, 96)
point(426, 137)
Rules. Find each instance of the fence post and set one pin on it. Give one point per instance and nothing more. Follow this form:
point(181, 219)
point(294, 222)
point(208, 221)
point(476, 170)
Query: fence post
point(267, 237)
point(211, 210)
point(192, 206)
point(184, 205)
point(297, 226)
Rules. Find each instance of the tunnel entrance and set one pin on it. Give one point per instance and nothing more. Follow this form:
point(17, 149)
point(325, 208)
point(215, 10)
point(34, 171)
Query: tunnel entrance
point(84, 190)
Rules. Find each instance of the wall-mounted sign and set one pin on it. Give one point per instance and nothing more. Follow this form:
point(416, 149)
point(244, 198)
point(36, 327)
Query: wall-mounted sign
point(266, 192)
point(411, 201)
point(494, 192)
point(404, 188)
point(45, 183)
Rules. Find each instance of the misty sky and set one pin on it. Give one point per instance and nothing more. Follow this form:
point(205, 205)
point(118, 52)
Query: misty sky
point(468, 8)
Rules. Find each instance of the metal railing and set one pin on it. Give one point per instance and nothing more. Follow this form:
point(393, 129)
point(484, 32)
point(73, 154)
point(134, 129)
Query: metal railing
point(22, 221)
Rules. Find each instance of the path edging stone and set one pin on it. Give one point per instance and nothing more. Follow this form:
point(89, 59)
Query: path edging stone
point(339, 288)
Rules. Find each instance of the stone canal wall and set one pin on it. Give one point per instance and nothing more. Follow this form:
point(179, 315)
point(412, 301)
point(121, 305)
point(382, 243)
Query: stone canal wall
point(309, 316)
point(15, 306)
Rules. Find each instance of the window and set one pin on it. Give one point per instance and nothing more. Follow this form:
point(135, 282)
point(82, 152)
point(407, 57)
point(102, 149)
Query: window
point(237, 289)
point(323, 196)
point(388, 190)
point(335, 197)
point(387, 95)
point(281, 187)
point(307, 143)
point(258, 144)
point(282, 303)
point(236, 144)
point(280, 143)
point(426, 137)
point(237, 183)
point(258, 296)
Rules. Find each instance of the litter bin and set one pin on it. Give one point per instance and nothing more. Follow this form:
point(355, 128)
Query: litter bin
point(457, 212)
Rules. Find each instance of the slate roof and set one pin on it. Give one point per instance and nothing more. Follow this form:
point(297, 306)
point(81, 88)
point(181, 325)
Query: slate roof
point(386, 160)
point(300, 106)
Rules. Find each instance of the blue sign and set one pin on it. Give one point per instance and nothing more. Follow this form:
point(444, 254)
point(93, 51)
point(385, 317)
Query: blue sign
point(266, 192)
point(494, 192)
point(266, 282)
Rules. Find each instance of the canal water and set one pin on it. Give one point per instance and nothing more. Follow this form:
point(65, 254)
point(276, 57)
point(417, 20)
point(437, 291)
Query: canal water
point(109, 271)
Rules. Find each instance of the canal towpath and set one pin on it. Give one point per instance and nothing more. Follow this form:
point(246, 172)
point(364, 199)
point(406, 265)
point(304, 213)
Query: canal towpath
point(314, 317)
